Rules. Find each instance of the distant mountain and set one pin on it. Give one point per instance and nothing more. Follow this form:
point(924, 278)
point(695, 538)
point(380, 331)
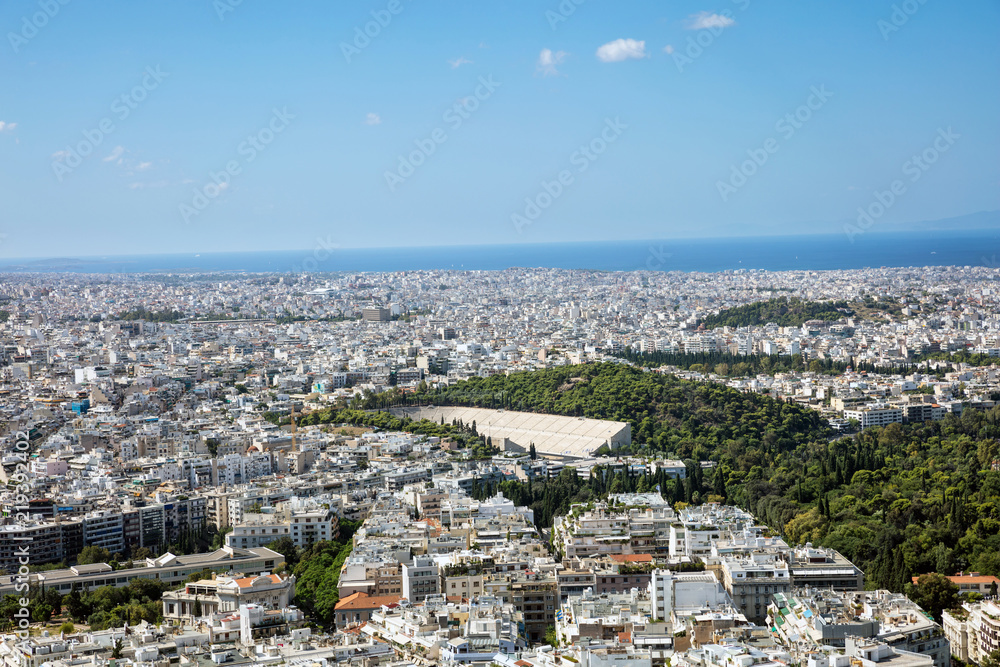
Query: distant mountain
point(981, 220)
point(53, 264)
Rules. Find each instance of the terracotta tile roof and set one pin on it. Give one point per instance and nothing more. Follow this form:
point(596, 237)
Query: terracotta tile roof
point(361, 600)
point(632, 558)
point(356, 630)
point(967, 579)
point(246, 581)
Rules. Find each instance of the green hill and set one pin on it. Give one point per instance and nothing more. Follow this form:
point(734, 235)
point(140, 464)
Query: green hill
point(898, 501)
point(782, 311)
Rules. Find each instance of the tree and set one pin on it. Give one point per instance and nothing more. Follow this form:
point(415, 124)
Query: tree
point(201, 575)
point(76, 607)
point(551, 636)
point(142, 553)
point(286, 547)
point(532, 452)
point(934, 593)
point(197, 607)
point(117, 649)
point(220, 538)
point(41, 613)
point(992, 660)
point(213, 444)
point(93, 554)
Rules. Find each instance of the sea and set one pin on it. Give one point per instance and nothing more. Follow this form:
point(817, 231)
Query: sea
point(814, 252)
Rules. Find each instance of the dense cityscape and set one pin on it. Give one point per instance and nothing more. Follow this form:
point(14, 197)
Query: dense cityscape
point(559, 333)
point(420, 468)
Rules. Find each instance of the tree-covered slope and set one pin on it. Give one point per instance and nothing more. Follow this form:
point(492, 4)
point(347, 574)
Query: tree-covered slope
point(666, 413)
point(898, 501)
point(782, 311)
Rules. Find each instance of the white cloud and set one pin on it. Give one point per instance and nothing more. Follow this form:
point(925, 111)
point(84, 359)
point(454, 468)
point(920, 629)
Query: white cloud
point(116, 153)
point(7, 127)
point(709, 20)
point(143, 166)
point(621, 49)
point(60, 155)
point(547, 61)
point(154, 184)
point(668, 49)
point(373, 118)
point(461, 60)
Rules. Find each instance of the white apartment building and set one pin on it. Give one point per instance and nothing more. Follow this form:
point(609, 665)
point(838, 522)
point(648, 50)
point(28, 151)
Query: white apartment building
point(420, 579)
point(583, 533)
point(875, 416)
point(973, 630)
point(615, 656)
point(313, 525)
point(669, 591)
point(106, 530)
point(257, 530)
point(751, 581)
point(235, 469)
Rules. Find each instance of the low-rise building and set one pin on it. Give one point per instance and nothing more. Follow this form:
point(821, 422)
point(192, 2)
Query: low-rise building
point(357, 608)
point(225, 594)
point(751, 581)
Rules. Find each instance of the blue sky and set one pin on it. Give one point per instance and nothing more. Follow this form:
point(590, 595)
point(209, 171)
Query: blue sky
point(485, 122)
